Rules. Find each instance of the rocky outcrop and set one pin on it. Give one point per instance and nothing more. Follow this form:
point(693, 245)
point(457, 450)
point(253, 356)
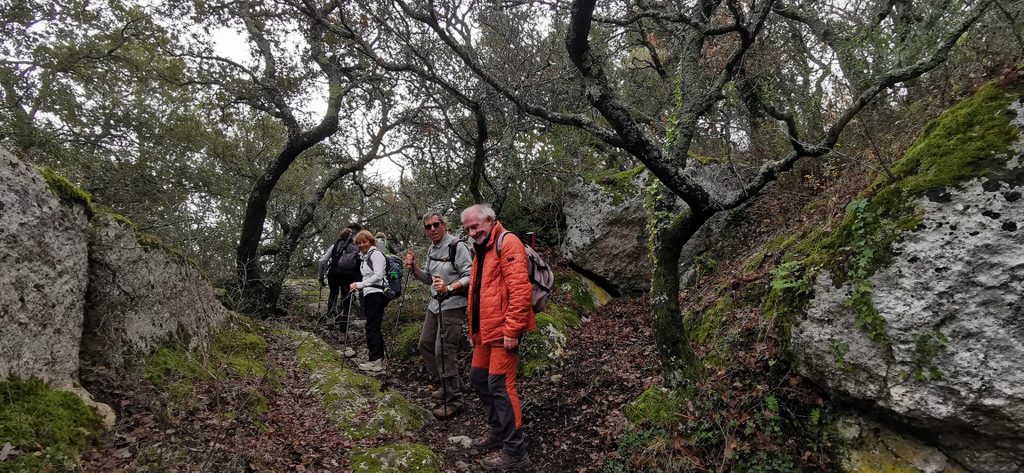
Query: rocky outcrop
point(951, 302)
point(43, 276)
point(140, 293)
point(52, 261)
point(873, 447)
point(606, 236)
point(356, 403)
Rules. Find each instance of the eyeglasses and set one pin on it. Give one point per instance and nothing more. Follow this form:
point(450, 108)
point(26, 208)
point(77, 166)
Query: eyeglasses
point(428, 226)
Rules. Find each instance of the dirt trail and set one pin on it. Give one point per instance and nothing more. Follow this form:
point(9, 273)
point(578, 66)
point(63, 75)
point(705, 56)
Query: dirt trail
point(572, 417)
point(572, 423)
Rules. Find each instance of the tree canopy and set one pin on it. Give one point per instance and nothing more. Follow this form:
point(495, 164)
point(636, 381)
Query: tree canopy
point(253, 161)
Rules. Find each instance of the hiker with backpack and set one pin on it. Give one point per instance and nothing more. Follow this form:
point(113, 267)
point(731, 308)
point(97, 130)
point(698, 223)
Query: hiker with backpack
point(447, 272)
point(500, 311)
point(374, 280)
point(340, 265)
point(383, 244)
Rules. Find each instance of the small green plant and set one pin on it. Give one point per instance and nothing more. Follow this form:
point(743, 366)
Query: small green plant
point(704, 263)
point(791, 276)
point(861, 256)
point(765, 461)
point(926, 346)
point(634, 449)
point(839, 351)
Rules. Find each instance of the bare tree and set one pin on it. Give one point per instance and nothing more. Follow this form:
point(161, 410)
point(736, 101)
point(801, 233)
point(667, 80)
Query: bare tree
point(704, 51)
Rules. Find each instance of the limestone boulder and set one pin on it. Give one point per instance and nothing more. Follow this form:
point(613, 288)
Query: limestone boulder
point(606, 237)
point(43, 275)
point(951, 301)
point(140, 293)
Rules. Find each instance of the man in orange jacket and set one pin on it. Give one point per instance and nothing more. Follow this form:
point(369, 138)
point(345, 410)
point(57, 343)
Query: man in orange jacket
point(500, 312)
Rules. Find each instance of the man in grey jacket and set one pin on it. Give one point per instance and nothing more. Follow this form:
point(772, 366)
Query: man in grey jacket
point(447, 272)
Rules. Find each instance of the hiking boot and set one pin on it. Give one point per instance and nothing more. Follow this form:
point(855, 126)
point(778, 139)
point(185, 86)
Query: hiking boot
point(488, 442)
point(505, 461)
point(439, 394)
point(375, 365)
point(446, 412)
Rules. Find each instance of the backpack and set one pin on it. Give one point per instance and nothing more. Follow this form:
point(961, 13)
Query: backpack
point(393, 272)
point(541, 276)
point(344, 257)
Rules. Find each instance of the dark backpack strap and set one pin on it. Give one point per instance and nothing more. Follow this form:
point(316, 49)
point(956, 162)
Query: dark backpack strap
point(453, 251)
point(335, 253)
point(369, 261)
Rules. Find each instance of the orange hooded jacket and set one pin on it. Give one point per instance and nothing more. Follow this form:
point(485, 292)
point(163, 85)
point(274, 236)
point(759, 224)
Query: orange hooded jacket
point(500, 293)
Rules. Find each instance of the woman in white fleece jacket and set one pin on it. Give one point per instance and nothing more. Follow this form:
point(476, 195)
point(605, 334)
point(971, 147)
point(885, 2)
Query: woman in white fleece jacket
point(372, 269)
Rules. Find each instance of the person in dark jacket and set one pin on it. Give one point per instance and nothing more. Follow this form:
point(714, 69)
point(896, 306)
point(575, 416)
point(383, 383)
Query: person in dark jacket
point(336, 266)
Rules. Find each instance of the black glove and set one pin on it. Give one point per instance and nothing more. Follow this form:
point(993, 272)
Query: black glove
point(322, 283)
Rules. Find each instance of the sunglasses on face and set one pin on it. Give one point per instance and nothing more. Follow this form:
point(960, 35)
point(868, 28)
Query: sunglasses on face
point(428, 226)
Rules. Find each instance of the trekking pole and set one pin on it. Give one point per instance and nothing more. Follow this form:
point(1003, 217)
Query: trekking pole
point(319, 299)
point(439, 340)
point(347, 303)
point(444, 382)
point(398, 318)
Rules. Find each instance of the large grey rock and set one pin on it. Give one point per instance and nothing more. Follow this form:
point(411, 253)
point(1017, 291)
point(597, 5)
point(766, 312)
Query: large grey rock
point(141, 294)
point(961, 274)
point(606, 235)
point(43, 276)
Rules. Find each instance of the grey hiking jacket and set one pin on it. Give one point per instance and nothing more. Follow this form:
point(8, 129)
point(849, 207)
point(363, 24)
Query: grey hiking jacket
point(436, 264)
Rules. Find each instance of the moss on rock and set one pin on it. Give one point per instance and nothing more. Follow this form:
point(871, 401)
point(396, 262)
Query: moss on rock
point(48, 428)
point(355, 403)
point(407, 343)
point(587, 295)
point(399, 458)
point(657, 407)
point(621, 185)
point(543, 348)
point(67, 192)
point(963, 143)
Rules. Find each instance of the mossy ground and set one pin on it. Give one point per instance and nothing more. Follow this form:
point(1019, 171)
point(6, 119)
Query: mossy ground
point(237, 350)
point(399, 458)
point(48, 429)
